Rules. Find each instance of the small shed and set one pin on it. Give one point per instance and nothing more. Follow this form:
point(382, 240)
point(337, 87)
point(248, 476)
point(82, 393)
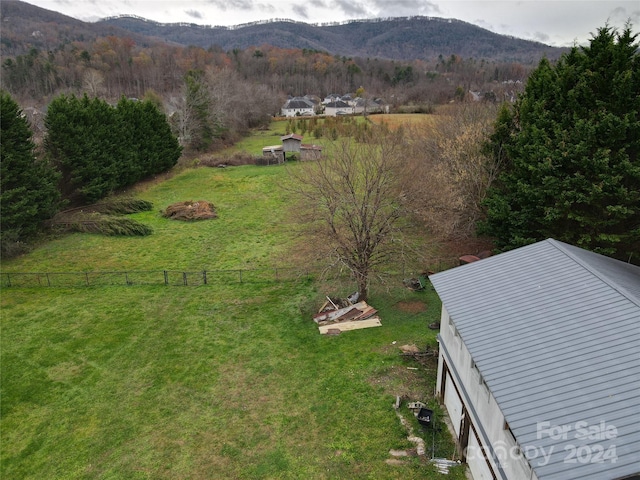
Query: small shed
point(310, 152)
point(273, 154)
point(291, 143)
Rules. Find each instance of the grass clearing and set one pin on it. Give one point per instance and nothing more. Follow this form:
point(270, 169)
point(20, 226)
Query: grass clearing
point(395, 120)
point(228, 380)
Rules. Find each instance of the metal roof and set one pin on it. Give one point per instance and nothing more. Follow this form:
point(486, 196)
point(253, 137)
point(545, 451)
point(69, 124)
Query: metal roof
point(555, 332)
point(291, 136)
point(298, 102)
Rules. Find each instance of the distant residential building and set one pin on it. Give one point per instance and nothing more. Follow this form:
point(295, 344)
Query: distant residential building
point(332, 97)
point(298, 106)
point(338, 108)
point(366, 105)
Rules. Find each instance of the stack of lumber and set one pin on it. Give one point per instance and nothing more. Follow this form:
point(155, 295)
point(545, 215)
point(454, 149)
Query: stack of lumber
point(352, 317)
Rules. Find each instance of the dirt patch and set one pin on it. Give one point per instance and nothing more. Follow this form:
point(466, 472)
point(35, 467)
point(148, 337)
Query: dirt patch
point(399, 380)
point(412, 307)
point(466, 246)
point(190, 211)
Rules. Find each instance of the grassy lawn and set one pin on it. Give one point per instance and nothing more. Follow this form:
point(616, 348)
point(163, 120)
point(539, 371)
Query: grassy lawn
point(228, 380)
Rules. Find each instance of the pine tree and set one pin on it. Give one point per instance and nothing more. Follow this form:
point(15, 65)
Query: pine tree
point(570, 145)
point(100, 149)
point(82, 140)
point(28, 193)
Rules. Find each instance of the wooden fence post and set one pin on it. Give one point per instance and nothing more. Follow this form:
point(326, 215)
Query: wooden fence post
point(166, 277)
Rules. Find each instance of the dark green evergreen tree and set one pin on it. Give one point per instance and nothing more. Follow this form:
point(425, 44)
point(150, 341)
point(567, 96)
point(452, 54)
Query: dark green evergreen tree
point(569, 147)
point(83, 141)
point(198, 104)
point(28, 186)
point(154, 147)
point(99, 148)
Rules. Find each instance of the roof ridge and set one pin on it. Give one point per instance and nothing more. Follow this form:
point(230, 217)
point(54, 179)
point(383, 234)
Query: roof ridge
point(593, 270)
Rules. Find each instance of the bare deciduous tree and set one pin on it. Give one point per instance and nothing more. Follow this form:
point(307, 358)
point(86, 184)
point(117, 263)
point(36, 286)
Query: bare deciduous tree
point(449, 173)
point(93, 82)
point(351, 202)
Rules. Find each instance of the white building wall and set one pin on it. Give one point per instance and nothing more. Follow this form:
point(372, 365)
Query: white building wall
point(333, 111)
point(481, 405)
point(292, 112)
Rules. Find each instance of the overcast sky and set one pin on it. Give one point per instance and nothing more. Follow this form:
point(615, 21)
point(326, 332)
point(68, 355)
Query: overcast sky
point(554, 22)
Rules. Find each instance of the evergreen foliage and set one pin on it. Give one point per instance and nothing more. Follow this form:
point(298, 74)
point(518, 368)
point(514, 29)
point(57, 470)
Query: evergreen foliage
point(198, 102)
point(28, 192)
point(103, 225)
point(100, 148)
point(121, 206)
point(570, 149)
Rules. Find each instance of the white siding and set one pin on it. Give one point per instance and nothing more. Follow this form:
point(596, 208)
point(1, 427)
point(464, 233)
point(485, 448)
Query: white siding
point(480, 404)
point(453, 404)
point(476, 460)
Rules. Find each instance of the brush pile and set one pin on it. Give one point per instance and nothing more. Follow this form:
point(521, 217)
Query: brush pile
point(104, 218)
point(190, 211)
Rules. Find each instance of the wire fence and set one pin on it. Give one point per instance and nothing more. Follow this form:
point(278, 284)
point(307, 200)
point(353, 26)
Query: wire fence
point(179, 278)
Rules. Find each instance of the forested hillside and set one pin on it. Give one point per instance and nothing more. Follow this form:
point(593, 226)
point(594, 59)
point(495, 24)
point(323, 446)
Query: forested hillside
point(46, 54)
point(410, 38)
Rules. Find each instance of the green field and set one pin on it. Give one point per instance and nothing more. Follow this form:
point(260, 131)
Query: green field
point(228, 380)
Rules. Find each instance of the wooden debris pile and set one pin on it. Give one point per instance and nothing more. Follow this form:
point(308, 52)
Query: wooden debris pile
point(190, 211)
point(334, 318)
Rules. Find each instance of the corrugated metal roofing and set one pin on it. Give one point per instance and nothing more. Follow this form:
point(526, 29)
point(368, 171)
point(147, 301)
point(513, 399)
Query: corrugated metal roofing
point(555, 332)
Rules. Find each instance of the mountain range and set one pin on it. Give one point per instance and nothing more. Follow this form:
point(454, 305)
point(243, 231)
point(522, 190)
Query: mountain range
point(25, 26)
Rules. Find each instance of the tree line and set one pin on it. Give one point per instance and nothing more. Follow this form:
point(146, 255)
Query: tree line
point(561, 162)
point(111, 67)
point(91, 150)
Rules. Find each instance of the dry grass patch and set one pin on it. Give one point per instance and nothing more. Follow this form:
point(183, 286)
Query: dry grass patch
point(412, 306)
point(396, 120)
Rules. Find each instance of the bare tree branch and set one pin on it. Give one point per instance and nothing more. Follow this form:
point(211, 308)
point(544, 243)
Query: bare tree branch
point(350, 202)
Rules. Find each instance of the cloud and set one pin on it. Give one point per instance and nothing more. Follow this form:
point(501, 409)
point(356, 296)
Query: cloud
point(483, 24)
point(620, 15)
point(300, 10)
point(225, 5)
point(397, 8)
point(351, 8)
point(541, 37)
point(194, 14)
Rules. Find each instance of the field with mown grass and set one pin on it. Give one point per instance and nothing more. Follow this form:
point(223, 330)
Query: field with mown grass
point(259, 139)
point(228, 380)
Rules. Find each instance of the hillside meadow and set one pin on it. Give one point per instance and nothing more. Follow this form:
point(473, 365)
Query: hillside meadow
point(227, 380)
